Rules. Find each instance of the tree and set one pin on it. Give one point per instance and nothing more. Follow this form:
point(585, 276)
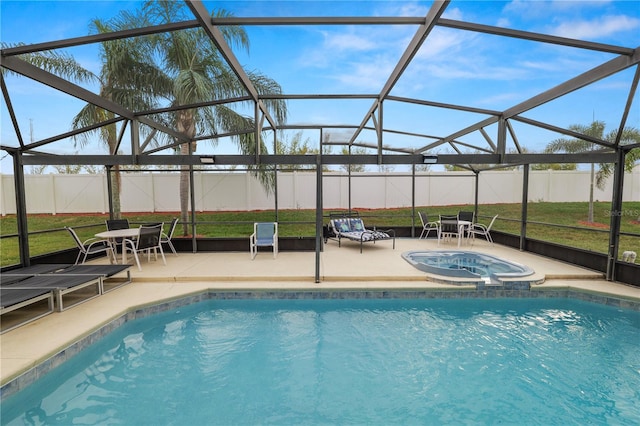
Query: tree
point(197, 72)
point(353, 151)
point(128, 77)
point(191, 71)
point(58, 63)
point(297, 146)
point(596, 130)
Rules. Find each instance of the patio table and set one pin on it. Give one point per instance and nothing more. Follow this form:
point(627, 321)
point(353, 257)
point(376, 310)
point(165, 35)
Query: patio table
point(119, 233)
point(463, 225)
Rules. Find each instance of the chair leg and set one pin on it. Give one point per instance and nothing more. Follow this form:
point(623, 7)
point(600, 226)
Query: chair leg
point(135, 255)
point(173, 249)
point(164, 260)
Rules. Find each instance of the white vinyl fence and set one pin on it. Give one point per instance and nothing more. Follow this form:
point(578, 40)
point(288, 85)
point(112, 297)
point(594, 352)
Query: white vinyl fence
point(229, 191)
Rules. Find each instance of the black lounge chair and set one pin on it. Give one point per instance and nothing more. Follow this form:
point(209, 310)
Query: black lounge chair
point(20, 306)
point(69, 290)
point(23, 291)
point(38, 269)
point(109, 282)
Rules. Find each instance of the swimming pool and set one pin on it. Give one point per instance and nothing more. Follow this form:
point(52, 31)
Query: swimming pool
point(352, 361)
point(478, 267)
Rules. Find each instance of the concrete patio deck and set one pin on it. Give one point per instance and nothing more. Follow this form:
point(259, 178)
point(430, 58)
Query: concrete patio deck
point(378, 267)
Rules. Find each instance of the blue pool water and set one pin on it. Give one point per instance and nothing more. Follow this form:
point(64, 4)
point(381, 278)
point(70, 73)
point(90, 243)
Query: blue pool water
point(502, 361)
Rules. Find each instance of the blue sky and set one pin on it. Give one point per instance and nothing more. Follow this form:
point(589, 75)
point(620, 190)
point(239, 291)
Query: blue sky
point(457, 67)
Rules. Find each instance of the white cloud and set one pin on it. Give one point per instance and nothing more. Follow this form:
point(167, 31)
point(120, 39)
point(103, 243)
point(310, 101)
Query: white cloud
point(535, 9)
point(347, 42)
point(366, 75)
point(452, 13)
point(599, 27)
point(444, 41)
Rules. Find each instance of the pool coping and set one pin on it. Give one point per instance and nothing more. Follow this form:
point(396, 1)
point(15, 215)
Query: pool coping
point(21, 378)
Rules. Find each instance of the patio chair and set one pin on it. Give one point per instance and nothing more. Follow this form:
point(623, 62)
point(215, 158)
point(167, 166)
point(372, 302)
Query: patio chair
point(448, 227)
point(166, 238)
point(265, 234)
point(113, 224)
point(148, 240)
point(91, 246)
point(427, 226)
point(482, 230)
point(467, 217)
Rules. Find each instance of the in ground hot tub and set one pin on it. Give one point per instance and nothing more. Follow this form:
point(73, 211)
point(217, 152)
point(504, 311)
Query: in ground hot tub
point(478, 267)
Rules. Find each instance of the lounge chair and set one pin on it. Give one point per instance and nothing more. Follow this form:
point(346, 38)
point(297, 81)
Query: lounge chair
point(64, 285)
point(108, 273)
point(265, 234)
point(37, 269)
point(482, 230)
point(427, 226)
point(74, 288)
point(351, 227)
point(148, 240)
point(19, 306)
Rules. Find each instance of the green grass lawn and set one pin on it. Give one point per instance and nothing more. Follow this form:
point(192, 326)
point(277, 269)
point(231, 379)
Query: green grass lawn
point(546, 221)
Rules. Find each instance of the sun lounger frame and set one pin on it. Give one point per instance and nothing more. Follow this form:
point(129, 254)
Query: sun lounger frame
point(109, 281)
point(62, 286)
point(67, 279)
point(48, 295)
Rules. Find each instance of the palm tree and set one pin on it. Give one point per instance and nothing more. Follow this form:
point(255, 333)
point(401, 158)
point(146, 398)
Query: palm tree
point(58, 63)
point(125, 78)
point(192, 71)
point(596, 130)
point(199, 73)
